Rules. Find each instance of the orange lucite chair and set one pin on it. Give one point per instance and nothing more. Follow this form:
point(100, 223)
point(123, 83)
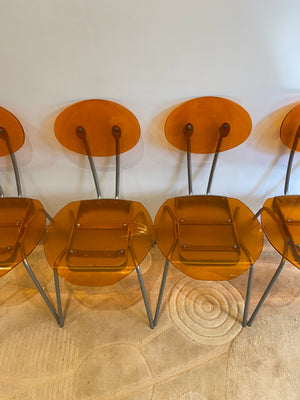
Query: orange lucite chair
point(98, 242)
point(280, 215)
point(208, 237)
point(22, 220)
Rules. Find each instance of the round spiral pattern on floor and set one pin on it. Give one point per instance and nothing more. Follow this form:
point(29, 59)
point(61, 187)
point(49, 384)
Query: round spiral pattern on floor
point(208, 312)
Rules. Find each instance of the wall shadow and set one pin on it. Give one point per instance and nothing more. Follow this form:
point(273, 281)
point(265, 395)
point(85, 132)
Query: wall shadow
point(266, 140)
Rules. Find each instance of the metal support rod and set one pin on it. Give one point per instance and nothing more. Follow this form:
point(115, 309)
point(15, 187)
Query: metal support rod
point(288, 172)
point(17, 175)
point(92, 165)
point(117, 191)
point(267, 291)
point(249, 287)
point(5, 137)
point(258, 213)
point(189, 168)
point(161, 292)
point(116, 132)
point(290, 163)
point(40, 289)
point(188, 131)
point(80, 132)
point(224, 130)
point(48, 216)
point(212, 171)
point(58, 300)
point(139, 274)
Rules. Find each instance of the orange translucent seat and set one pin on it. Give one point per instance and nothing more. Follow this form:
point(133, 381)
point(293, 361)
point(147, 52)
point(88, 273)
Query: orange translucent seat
point(22, 220)
point(280, 219)
point(98, 242)
point(22, 224)
point(208, 237)
point(280, 215)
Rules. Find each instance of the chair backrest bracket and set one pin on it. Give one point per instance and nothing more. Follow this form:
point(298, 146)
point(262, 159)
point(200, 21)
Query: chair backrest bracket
point(290, 163)
point(5, 137)
point(224, 130)
point(188, 131)
point(81, 133)
point(116, 132)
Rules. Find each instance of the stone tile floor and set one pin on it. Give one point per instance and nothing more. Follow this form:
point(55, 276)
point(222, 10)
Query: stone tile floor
point(106, 349)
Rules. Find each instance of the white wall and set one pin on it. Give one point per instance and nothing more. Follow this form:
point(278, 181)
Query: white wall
point(148, 56)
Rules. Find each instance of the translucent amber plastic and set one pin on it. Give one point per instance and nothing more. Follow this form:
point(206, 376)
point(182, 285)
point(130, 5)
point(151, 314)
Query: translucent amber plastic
point(98, 242)
point(281, 223)
point(207, 114)
point(289, 128)
point(22, 224)
point(11, 129)
point(208, 237)
point(97, 118)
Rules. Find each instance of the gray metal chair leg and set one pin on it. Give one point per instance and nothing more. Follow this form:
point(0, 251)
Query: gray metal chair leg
point(40, 289)
point(161, 292)
point(139, 274)
point(258, 213)
point(267, 291)
point(48, 216)
point(58, 300)
point(249, 287)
